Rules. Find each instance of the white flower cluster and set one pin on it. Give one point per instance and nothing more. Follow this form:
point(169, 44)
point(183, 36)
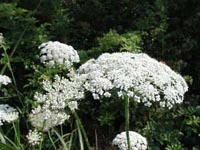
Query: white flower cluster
point(58, 95)
point(4, 80)
point(34, 137)
point(46, 119)
point(137, 141)
point(7, 114)
point(59, 53)
point(136, 75)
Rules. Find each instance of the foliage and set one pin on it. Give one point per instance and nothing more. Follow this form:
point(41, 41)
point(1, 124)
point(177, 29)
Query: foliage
point(114, 42)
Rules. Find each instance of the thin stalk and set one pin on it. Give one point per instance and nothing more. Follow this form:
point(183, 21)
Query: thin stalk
point(7, 97)
point(33, 148)
point(17, 135)
point(40, 146)
point(127, 121)
point(80, 135)
point(2, 139)
point(96, 141)
point(83, 130)
point(8, 64)
point(71, 140)
point(15, 48)
point(54, 146)
point(12, 143)
point(61, 140)
point(61, 130)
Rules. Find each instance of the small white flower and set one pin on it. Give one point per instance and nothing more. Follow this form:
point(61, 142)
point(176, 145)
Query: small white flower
point(49, 56)
point(95, 96)
point(120, 93)
point(4, 80)
point(137, 141)
point(73, 105)
point(60, 61)
point(43, 58)
point(137, 98)
point(130, 94)
point(34, 137)
point(46, 119)
point(162, 104)
point(52, 53)
point(7, 114)
point(107, 94)
point(51, 63)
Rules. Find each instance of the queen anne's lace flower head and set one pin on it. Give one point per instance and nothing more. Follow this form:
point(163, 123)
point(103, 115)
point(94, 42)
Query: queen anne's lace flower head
point(46, 119)
point(4, 80)
point(7, 114)
point(137, 141)
point(59, 94)
point(134, 75)
point(34, 137)
point(59, 53)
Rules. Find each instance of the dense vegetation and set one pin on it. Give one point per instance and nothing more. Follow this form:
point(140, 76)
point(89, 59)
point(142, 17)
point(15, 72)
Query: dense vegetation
point(164, 29)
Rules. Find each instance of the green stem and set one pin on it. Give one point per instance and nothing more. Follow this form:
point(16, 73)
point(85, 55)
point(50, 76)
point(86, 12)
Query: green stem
point(61, 140)
point(15, 48)
point(40, 146)
point(8, 64)
point(12, 74)
point(83, 130)
point(54, 146)
point(80, 135)
point(61, 130)
point(127, 120)
point(2, 139)
point(96, 141)
point(16, 134)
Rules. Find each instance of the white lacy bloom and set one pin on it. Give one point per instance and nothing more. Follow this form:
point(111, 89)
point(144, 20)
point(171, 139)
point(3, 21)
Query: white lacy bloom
point(4, 80)
point(59, 94)
point(46, 119)
point(137, 141)
point(60, 53)
point(7, 114)
point(135, 75)
point(34, 137)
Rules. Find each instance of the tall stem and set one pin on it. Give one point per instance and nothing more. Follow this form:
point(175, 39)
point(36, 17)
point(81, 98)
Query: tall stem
point(127, 120)
point(2, 139)
point(83, 130)
point(54, 146)
point(17, 134)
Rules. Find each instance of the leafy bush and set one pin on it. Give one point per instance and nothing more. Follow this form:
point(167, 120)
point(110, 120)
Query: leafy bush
point(114, 42)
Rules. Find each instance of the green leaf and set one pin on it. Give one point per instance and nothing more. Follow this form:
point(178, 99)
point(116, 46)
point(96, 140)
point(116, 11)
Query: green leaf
point(7, 147)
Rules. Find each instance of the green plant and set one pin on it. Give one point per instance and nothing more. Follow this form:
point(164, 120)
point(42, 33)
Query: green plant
point(114, 42)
